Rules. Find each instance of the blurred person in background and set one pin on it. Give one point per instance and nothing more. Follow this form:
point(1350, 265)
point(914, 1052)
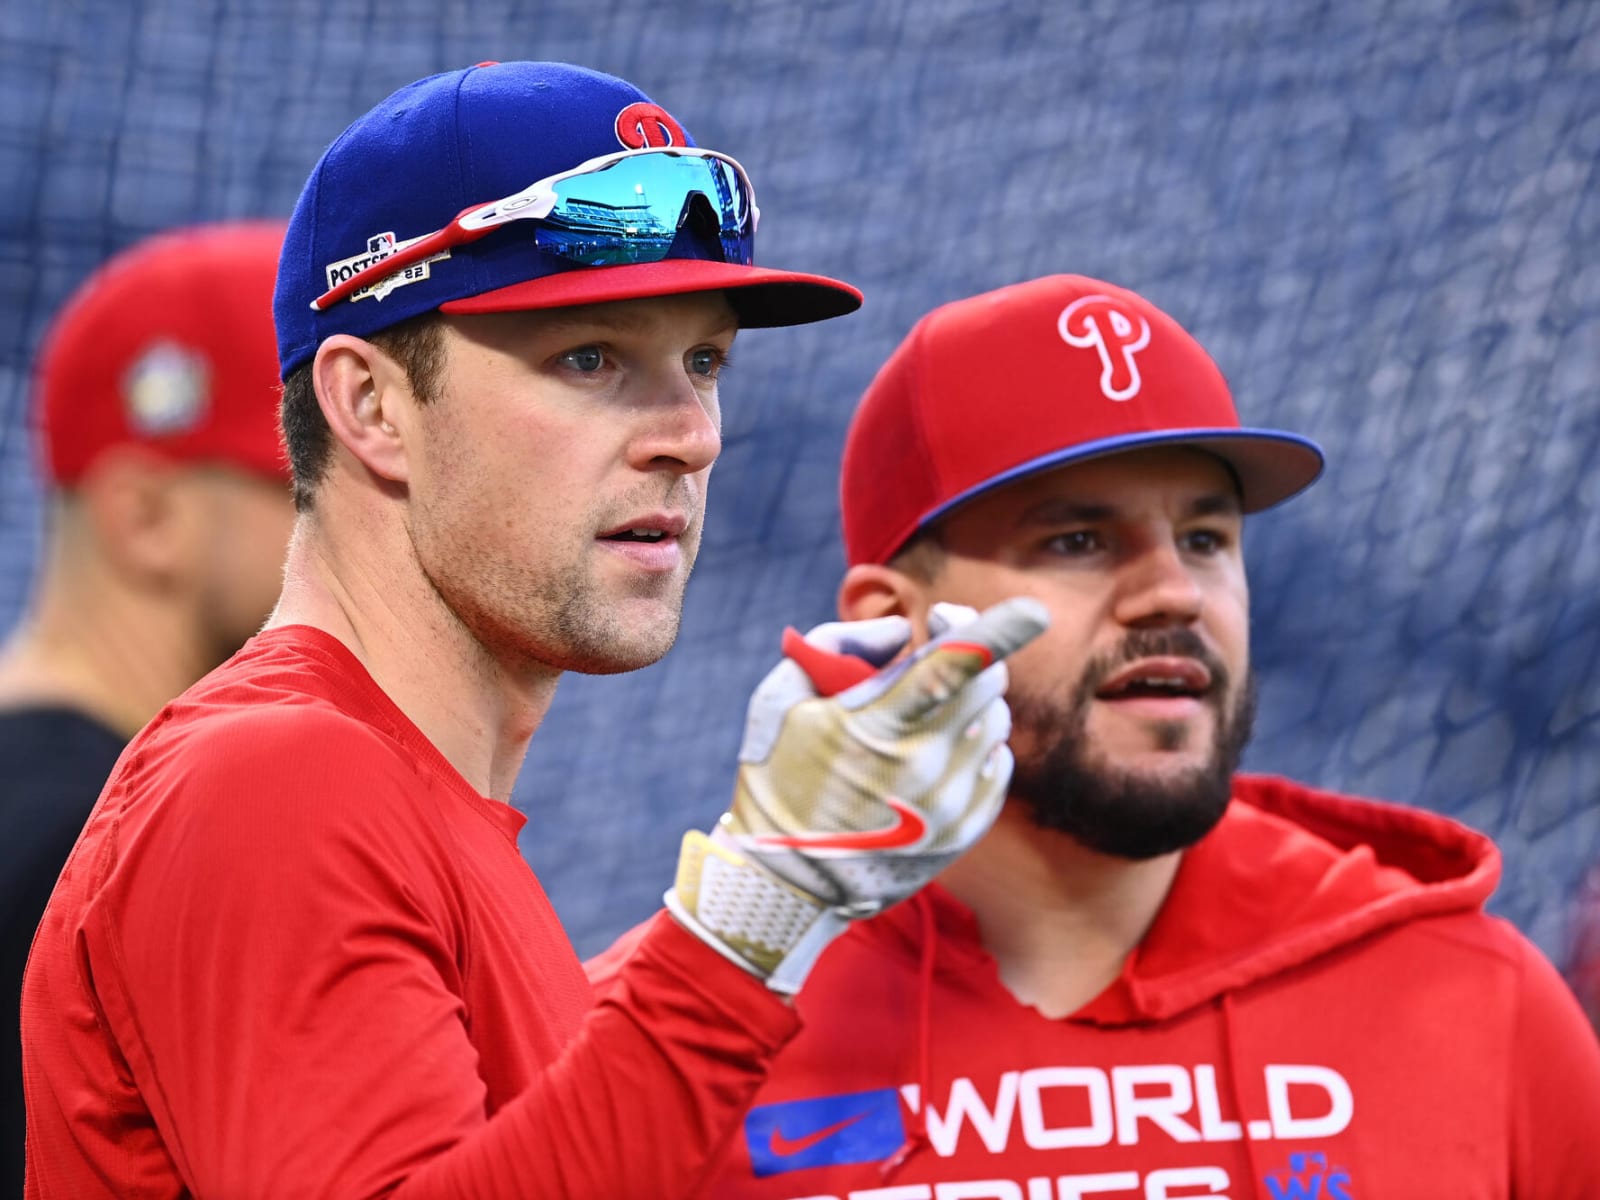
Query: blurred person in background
point(1583, 947)
point(168, 516)
point(1154, 977)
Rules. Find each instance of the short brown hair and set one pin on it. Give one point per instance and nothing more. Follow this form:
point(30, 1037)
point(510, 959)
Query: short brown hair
point(417, 344)
point(922, 557)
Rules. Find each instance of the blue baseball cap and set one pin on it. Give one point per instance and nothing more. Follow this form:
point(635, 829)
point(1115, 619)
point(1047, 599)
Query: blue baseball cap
point(404, 177)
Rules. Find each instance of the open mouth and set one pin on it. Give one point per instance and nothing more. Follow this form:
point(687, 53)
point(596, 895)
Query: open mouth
point(1164, 679)
point(634, 535)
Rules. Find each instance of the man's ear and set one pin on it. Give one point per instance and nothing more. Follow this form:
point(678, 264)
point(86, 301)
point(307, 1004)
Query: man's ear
point(871, 590)
point(366, 400)
point(136, 508)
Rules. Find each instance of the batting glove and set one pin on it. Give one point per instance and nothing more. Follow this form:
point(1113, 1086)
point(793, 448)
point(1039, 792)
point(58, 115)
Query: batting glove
point(847, 803)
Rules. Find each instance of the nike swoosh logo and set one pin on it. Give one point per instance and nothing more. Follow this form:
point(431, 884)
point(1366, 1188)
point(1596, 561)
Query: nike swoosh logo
point(785, 1148)
point(906, 831)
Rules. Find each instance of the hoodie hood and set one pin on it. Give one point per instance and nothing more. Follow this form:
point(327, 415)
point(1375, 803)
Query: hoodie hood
point(1338, 868)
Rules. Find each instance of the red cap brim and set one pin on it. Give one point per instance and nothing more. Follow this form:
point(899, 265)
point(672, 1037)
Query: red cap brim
point(762, 298)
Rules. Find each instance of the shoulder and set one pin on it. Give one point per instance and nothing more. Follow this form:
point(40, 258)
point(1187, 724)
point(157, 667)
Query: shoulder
point(1553, 1065)
point(236, 767)
point(290, 710)
point(227, 819)
point(310, 739)
point(262, 765)
point(1475, 965)
point(53, 730)
point(53, 762)
point(1475, 936)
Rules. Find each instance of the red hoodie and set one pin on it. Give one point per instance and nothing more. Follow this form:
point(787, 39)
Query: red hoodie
point(1320, 1012)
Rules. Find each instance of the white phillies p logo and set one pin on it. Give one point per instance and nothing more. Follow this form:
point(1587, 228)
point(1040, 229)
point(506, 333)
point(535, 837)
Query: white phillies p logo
point(1096, 321)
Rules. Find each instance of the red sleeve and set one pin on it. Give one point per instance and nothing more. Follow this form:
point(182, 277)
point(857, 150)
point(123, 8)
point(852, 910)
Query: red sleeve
point(288, 1000)
point(643, 1102)
point(604, 967)
point(1555, 1090)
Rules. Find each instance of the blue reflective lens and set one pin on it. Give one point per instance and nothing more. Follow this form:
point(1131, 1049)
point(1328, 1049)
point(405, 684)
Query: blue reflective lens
point(629, 211)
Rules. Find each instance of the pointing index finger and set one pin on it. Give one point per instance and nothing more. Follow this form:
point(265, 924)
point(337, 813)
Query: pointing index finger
point(951, 661)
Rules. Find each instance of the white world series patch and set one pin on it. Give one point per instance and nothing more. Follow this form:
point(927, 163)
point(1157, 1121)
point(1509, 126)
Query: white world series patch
point(1067, 1110)
point(379, 247)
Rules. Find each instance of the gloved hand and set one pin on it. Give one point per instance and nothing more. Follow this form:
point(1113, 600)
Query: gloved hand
point(845, 804)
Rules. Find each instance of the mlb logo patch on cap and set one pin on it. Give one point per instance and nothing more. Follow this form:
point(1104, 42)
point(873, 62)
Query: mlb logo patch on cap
point(165, 390)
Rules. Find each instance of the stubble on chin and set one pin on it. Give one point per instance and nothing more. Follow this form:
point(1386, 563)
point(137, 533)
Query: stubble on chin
point(557, 605)
point(574, 620)
point(570, 622)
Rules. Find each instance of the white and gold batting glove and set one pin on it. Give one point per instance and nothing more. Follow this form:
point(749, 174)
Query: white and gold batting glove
point(846, 803)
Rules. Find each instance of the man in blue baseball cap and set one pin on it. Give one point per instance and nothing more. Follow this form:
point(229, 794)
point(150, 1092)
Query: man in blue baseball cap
point(296, 951)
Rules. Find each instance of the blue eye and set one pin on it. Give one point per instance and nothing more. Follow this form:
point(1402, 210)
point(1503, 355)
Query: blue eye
point(705, 361)
point(585, 358)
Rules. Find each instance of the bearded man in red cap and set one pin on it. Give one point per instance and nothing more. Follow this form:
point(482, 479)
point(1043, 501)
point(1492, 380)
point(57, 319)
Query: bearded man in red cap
point(1154, 977)
point(168, 516)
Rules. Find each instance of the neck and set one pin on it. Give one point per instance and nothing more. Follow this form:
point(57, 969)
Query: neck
point(93, 643)
point(1059, 919)
point(360, 582)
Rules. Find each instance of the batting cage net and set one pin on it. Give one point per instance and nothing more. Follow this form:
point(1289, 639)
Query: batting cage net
point(1381, 218)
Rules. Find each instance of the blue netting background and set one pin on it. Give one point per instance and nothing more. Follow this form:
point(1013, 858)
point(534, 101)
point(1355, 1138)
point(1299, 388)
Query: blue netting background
point(1382, 218)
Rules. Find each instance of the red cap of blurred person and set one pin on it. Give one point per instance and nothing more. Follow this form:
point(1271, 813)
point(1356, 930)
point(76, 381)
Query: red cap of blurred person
point(168, 346)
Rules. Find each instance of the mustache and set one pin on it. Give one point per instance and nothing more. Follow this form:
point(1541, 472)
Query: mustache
point(683, 495)
point(1179, 642)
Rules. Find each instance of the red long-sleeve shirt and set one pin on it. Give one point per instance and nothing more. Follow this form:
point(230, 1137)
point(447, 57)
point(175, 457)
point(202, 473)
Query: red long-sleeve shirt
point(295, 954)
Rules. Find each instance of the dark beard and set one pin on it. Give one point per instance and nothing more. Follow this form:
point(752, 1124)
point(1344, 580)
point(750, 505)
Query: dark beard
point(1115, 812)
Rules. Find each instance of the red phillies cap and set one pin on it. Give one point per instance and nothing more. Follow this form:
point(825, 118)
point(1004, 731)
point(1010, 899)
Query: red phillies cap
point(168, 345)
point(1002, 385)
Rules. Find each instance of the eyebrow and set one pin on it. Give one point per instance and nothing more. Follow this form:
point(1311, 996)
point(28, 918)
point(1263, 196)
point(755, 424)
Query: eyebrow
point(1056, 511)
point(623, 321)
point(1224, 504)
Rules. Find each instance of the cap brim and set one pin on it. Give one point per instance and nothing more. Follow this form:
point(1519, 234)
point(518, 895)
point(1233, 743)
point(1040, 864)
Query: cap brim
point(762, 298)
point(1271, 466)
